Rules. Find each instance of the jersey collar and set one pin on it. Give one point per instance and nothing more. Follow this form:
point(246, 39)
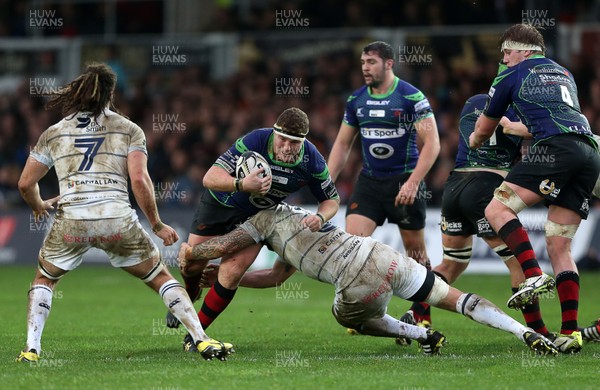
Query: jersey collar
point(389, 91)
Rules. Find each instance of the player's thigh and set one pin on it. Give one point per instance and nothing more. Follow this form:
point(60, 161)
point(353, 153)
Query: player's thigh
point(127, 244)
point(359, 303)
point(213, 219)
point(367, 200)
point(360, 225)
point(64, 245)
point(235, 265)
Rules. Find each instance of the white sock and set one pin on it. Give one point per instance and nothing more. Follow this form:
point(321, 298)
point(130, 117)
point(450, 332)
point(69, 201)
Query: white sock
point(40, 301)
point(388, 326)
point(485, 312)
point(179, 304)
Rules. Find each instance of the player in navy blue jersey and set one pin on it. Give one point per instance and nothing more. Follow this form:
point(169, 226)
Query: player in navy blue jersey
point(561, 169)
point(468, 191)
point(389, 115)
point(226, 202)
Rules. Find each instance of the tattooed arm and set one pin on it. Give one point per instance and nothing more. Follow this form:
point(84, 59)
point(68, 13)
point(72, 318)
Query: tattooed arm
point(220, 246)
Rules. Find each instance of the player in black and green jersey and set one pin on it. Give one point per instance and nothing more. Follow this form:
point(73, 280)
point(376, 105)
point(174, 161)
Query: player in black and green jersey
point(561, 168)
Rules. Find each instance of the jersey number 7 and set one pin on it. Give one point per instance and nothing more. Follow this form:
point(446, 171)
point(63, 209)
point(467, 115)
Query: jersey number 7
point(91, 146)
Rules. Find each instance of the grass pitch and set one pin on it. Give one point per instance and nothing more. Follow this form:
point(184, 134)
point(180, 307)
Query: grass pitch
point(106, 331)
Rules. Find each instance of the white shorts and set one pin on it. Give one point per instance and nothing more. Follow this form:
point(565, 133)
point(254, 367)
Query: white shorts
point(122, 239)
point(387, 272)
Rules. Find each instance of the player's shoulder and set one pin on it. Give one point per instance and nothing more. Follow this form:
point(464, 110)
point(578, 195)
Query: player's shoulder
point(256, 140)
point(408, 91)
point(357, 93)
point(475, 104)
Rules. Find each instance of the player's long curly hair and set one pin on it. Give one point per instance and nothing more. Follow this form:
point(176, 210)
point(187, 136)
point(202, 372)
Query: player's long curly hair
point(92, 91)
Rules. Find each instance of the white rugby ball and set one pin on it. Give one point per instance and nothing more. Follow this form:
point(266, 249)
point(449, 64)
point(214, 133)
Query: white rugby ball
point(249, 162)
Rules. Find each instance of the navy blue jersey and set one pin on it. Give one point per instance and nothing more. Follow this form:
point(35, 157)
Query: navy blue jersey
point(387, 127)
point(544, 96)
point(498, 152)
point(309, 169)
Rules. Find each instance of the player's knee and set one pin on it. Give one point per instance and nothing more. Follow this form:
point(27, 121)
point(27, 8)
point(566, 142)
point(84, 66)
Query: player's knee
point(458, 255)
point(157, 269)
point(553, 229)
point(343, 321)
point(50, 272)
point(508, 197)
point(438, 292)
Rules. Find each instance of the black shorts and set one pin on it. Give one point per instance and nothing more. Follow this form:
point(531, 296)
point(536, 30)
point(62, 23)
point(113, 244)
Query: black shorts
point(466, 195)
point(214, 219)
point(562, 169)
point(374, 198)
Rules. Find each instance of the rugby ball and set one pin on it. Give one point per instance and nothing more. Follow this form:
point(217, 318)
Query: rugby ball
point(249, 162)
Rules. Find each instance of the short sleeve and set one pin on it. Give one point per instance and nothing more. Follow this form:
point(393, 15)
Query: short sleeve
point(41, 151)
point(138, 140)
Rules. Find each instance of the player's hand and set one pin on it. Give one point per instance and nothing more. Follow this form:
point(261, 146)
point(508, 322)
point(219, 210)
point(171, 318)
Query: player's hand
point(209, 275)
point(313, 222)
point(474, 141)
point(255, 182)
point(42, 211)
point(167, 234)
point(181, 259)
point(407, 193)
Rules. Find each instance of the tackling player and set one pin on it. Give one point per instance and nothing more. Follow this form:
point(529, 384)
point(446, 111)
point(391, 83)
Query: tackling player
point(561, 169)
point(365, 273)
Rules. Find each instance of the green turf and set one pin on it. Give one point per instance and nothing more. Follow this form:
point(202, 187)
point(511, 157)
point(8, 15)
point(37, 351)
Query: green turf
point(107, 331)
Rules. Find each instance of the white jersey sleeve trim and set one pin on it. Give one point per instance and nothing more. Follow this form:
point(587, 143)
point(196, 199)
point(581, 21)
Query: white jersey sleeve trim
point(42, 159)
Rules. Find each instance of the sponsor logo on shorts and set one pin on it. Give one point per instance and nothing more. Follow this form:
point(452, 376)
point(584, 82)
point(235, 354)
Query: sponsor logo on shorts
point(451, 227)
point(549, 188)
point(384, 286)
point(92, 239)
point(585, 206)
point(483, 226)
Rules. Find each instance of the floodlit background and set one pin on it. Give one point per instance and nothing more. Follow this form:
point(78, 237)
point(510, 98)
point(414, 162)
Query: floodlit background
point(195, 75)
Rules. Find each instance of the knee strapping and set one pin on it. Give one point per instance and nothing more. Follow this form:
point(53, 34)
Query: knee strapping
point(153, 273)
point(504, 252)
point(438, 292)
point(47, 273)
point(505, 195)
point(554, 229)
point(461, 255)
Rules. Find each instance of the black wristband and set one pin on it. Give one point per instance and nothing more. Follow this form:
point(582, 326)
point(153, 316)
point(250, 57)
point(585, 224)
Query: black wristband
point(322, 218)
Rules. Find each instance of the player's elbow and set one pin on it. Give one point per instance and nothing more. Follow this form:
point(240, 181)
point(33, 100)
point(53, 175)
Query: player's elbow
point(25, 185)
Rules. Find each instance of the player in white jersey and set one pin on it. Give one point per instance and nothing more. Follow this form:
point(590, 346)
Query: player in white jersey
point(366, 274)
point(94, 151)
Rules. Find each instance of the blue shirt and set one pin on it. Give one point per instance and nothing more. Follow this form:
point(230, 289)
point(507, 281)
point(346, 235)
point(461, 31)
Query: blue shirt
point(309, 169)
point(543, 94)
point(386, 125)
point(498, 152)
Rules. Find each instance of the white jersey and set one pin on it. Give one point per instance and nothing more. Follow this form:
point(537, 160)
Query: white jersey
point(90, 158)
point(330, 255)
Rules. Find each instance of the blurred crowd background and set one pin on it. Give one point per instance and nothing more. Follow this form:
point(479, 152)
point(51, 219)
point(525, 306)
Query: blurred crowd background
point(192, 113)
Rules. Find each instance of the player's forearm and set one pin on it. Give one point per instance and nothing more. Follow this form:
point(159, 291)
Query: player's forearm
point(143, 192)
point(328, 208)
point(218, 179)
point(31, 195)
point(337, 159)
point(263, 278)
point(220, 246)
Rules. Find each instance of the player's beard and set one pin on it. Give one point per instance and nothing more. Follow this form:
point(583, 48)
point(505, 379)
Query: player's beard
point(376, 80)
